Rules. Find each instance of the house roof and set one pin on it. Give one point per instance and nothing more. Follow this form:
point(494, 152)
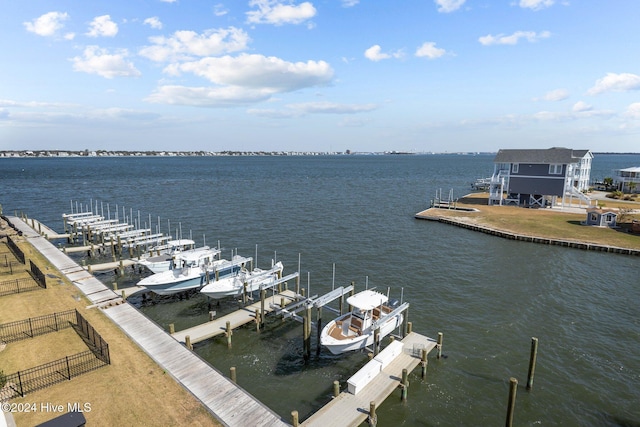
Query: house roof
point(554, 155)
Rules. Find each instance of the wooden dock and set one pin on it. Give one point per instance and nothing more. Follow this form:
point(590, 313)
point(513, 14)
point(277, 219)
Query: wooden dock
point(238, 318)
point(353, 409)
point(228, 402)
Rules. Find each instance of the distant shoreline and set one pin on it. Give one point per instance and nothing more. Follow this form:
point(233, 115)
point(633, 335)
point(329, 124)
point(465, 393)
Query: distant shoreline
point(12, 154)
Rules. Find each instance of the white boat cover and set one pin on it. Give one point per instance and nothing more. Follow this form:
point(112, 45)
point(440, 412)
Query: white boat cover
point(367, 300)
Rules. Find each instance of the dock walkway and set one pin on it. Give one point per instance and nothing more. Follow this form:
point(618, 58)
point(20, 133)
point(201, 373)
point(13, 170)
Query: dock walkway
point(228, 402)
point(237, 318)
point(353, 409)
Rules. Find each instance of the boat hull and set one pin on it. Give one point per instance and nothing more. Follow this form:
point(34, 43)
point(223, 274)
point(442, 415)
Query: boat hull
point(356, 342)
point(171, 282)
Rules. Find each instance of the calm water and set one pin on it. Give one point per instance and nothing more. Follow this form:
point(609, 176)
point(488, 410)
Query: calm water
point(488, 296)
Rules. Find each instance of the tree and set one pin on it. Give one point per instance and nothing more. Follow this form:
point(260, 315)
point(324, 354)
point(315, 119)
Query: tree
point(632, 186)
point(608, 182)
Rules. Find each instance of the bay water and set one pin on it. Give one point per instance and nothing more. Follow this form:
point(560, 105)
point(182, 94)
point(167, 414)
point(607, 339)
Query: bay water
point(355, 214)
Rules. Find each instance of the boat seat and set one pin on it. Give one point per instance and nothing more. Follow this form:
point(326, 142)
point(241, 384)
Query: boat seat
point(356, 325)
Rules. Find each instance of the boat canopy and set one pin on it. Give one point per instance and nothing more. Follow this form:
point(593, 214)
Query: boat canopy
point(367, 300)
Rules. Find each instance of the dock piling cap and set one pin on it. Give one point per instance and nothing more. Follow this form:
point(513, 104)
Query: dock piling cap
point(367, 300)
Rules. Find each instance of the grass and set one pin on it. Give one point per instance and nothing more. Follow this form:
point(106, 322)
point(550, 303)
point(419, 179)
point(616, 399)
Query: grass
point(133, 390)
point(542, 222)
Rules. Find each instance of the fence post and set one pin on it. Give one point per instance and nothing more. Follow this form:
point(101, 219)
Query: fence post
point(68, 370)
point(20, 384)
point(55, 318)
point(30, 327)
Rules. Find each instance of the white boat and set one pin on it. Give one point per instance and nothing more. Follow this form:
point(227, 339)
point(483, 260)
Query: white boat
point(355, 330)
point(191, 270)
point(233, 285)
point(165, 253)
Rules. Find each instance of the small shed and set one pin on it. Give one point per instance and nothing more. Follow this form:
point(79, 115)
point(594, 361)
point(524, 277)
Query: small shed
point(601, 217)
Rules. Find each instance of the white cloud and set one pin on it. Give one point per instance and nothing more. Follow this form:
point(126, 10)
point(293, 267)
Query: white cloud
point(616, 83)
point(278, 13)
point(302, 109)
point(530, 36)
point(168, 1)
point(332, 108)
point(581, 106)
point(102, 26)
point(258, 71)
point(187, 44)
point(633, 110)
point(554, 95)
point(374, 53)
point(220, 10)
point(349, 3)
point(101, 62)
point(47, 24)
point(536, 4)
point(446, 6)
point(153, 22)
point(220, 97)
point(430, 50)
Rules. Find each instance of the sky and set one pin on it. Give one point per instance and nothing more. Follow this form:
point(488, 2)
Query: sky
point(321, 75)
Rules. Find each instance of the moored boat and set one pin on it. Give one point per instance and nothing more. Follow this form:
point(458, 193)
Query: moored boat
point(356, 330)
point(164, 254)
point(234, 285)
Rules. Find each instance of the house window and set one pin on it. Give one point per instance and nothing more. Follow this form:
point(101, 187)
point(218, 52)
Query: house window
point(555, 169)
point(515, 167)
point(594, 217)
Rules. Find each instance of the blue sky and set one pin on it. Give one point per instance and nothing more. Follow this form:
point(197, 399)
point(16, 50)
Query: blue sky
point(328, 75)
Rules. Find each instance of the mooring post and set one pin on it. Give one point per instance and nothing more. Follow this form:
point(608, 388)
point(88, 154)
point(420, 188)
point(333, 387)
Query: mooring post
point(120, 268)
point(124, 296)
point(439, 345)
point(352, 293)
point(212, 315)
point(409, 327)
point(244, 293)
point(532, 362)
point(405, 384)
point(229, 333)
point(282, 303)
point(372, 419)
point(294, 418)
point(336, 388)
point(263, 297)
point(297, 287)
point(307, 334)
point(172, 329)
point(406, 330)
point(232, 374)
point(376, 341)
point(513, 386)
point(187, 342)
point(257, 319)
point(424, 362)
point(319, 329)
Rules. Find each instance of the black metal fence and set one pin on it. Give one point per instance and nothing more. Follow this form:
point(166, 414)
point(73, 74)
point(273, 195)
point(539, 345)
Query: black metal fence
point(95, 341)
point(15, 249)
point(17, 286)
point(38, 275)
point(30, 380)
point(34, 326)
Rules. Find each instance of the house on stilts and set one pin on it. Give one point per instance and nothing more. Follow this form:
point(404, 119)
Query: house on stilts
point(541, 177)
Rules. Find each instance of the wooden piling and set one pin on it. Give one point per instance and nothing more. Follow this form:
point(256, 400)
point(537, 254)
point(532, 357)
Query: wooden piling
point(406, 328)
point(405, 384)
point(336, 388)
point(172, 329)
point(532, 362)
point(409, 327)
point(319, 329)
point(423, 362)
point(244, 293)
point(372, 419)
point(513, 386)
point(376, 341)
point(212, 315)
point(257, 319)
point(229, 333)
point(187, 342)
point(294, 418)
point(263, 297)
point(306, 330)
point(232, 374)
point(439, 344)
point(121, 268)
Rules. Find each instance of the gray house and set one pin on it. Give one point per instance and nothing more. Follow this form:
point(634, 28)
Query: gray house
point(601, 217)
point(540, 177)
